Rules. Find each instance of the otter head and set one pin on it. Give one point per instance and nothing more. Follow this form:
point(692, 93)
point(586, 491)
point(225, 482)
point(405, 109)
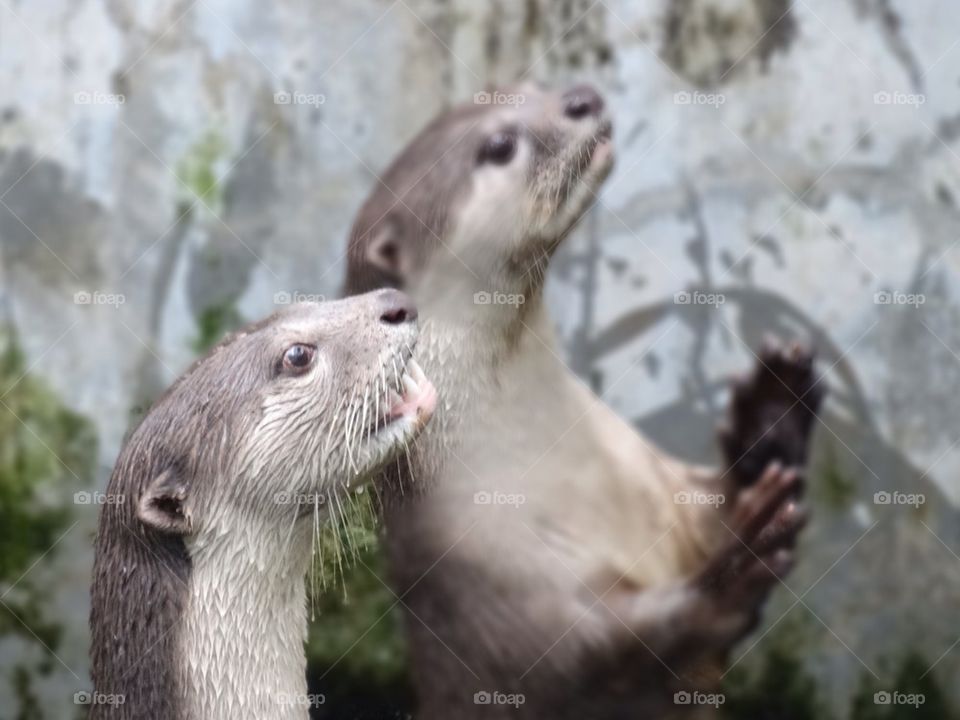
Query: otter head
point(481, 197)
point(198, 602)
point(284, 413)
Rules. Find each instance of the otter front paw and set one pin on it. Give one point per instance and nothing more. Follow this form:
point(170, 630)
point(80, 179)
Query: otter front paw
point(771, 413)
point(763, 527)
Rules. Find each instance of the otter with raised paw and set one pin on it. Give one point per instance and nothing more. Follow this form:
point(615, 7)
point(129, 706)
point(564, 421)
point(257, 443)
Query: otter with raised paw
point(199, 602)
point(551, 561)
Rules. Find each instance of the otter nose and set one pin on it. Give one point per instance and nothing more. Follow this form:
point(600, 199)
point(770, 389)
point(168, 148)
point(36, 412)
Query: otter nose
point(582, 101)
point(396, 308)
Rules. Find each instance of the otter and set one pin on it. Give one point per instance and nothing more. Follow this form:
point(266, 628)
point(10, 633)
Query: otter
point(549, 559)
point(198, 598)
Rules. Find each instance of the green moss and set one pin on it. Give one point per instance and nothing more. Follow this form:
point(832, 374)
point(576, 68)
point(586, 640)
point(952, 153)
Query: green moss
point(28, 704)
point(197, 169)
point(349, 533)
point(42, 445)
point(780, 687)
point(343, 615)
point(44, 449)
point(775, 685)
point(863, 706)
point(213, 324)
point(356, 652)
point(834, 487)
point(911, 678)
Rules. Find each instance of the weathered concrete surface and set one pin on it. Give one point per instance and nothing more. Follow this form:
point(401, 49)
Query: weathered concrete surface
point(777, 178)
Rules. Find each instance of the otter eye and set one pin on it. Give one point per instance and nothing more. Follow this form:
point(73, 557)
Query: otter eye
point(499, 148)
point(298, 358)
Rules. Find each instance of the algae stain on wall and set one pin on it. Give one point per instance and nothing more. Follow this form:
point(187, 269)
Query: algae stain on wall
point(44, 447)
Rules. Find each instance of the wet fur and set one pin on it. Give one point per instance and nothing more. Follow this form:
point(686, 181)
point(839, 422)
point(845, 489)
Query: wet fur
point(205, 617)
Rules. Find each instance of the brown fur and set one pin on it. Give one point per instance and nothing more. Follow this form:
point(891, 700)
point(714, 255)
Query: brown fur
point(599, 595)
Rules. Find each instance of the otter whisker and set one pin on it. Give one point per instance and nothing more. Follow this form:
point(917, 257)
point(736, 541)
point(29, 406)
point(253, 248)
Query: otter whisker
point(406, 452)
point(348, 461)
point(376, 407)
point(345, 436)
point(396, 375)
point(364, 428)
point(333, 525)
point(326, 443)
point(316, 551)
point(340, 526)
point(399, 477)
point(352, 438)
point(383, 377)
point(356, 432)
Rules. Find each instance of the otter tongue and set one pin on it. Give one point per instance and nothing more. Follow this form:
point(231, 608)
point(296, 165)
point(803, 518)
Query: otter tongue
point(394, 400)
point(404, 404)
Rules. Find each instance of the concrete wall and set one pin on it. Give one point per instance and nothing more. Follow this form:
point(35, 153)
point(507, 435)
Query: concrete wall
point(799, 161)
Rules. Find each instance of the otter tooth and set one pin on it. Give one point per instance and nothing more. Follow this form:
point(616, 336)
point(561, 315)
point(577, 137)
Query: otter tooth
point(416, 372)
point(410, 386)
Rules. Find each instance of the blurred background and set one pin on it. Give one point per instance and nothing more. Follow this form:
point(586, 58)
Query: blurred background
point(171, 169)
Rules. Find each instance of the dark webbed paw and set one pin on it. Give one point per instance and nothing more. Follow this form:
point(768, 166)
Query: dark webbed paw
point(771, 413)
point(763, 526)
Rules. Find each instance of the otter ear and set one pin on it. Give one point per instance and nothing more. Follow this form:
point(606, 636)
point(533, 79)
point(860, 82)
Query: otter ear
point(388, 254)
point(163, 504)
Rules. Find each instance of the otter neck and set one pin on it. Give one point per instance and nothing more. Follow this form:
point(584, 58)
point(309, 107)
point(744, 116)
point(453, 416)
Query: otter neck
point(245, 624)
point(469, 358)
point(481, 308)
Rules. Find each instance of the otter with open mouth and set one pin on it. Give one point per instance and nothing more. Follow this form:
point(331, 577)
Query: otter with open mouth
point(536, 539)
point(198, 600)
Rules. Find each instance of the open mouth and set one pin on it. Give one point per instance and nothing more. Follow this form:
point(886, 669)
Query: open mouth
point(605, 131)
point(601, 146)
point(413, 399)
point(600, 139)
point(598, 151)
point(591, 167)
